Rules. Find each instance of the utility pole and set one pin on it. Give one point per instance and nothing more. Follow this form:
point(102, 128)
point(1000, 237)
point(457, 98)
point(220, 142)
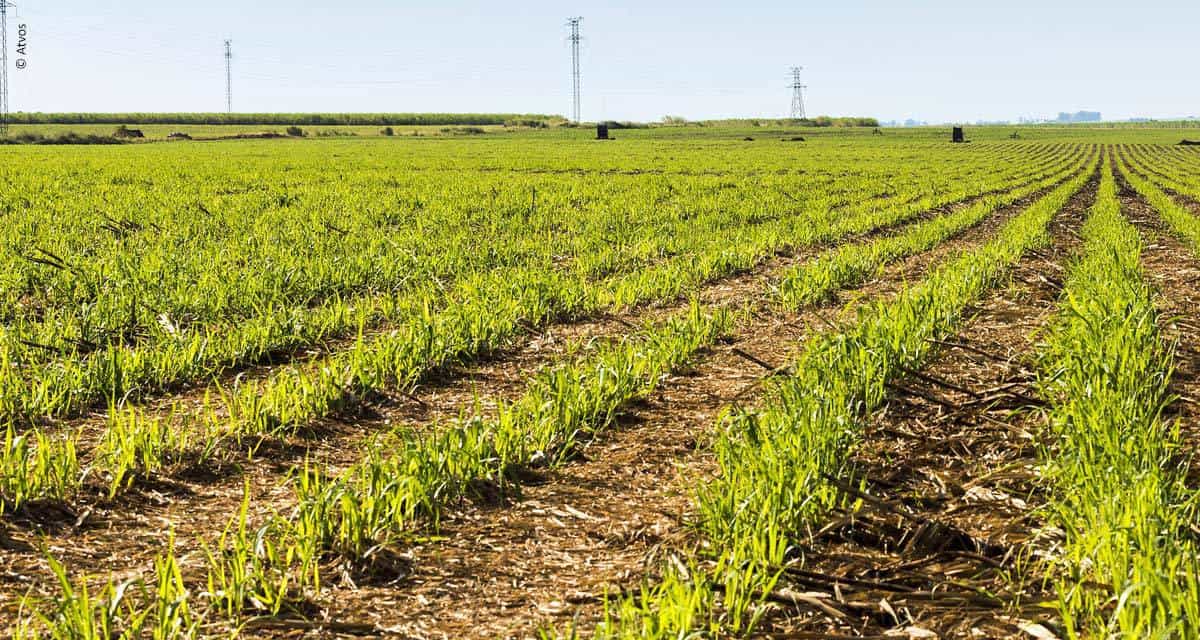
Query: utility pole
point(3, 67)
point(575, 39)
point(228, 75)
point(797, 94)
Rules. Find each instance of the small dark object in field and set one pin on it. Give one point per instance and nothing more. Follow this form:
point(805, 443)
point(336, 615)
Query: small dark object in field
point(295, 132)
point(876, 132)
point(388, 131)
point(795, 139)
point(748, 139)
point(178, 135)
point(125, 132)
point(957, 135)
point(602, 131)
point(1190, 143)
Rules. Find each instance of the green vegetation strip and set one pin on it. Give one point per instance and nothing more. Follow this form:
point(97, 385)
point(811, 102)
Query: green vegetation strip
point(374, 119)
point(1130, 558)
point(776, 462)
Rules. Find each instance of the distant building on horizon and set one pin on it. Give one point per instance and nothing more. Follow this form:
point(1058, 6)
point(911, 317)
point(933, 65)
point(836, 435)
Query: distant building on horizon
point(1079, 116)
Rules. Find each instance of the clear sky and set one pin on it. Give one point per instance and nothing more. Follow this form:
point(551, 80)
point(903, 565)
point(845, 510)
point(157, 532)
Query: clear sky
point(643, 59)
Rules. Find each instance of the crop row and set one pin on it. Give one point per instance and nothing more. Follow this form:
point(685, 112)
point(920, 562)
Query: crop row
point(1119, 496)
point(1180, 221)
point(1179, 166)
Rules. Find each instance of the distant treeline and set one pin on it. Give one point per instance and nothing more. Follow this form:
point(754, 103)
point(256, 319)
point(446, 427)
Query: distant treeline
point(69, 137)
point(283, 119)
point(819, 121)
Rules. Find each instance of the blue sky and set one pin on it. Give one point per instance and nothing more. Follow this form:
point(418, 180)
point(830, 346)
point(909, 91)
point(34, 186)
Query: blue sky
point(934, 60)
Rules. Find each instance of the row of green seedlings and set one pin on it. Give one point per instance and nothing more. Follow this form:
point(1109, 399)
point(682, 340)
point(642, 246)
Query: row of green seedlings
point(928, 192)
point(780, 464)
point(1170, 171)
point(136, 445)
point(61, 387)
point(404, 484)
point(1117, 468)
point(1182, 222)
point(1172, 168)
point(813, 282)
point(1164, 171)
point(38, 466)
point(130, 610)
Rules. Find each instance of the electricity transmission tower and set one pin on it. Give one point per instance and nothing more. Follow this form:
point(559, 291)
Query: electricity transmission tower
point(797, 94)
point(3, 67)
point(228, 75)
point(575, 39)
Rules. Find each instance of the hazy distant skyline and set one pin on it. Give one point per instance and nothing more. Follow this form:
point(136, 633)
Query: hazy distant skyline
point(934, 61)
